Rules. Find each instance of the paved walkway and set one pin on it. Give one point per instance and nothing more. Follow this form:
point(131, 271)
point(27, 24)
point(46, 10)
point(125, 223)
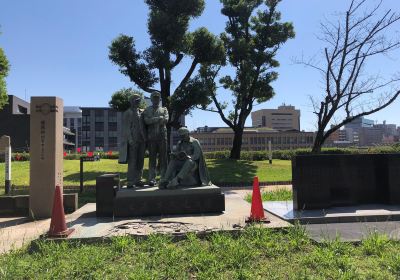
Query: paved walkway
point(236, 211)
point(16, 232)
point(353, 232)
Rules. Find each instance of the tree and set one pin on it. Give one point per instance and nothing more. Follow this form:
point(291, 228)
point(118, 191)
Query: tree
point(4, 68)
point(252, 38)
point(170, 42)
point(359, 37)
point(120, 99)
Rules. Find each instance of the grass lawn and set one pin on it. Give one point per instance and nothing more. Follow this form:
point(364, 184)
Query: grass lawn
point(220, 170)
point(254, 254)
point(275, 195)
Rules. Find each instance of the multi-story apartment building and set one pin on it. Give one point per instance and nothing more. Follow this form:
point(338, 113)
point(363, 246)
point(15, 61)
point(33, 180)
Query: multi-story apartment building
point(284, 118)
point(363, 132)
point(101, 129)
point(359, 123)
point(73, 121)
point(254, 139)
point(388, 129)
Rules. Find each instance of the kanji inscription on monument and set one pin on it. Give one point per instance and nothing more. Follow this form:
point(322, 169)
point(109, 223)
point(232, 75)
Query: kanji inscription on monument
point(46, 153)
point(5, 145)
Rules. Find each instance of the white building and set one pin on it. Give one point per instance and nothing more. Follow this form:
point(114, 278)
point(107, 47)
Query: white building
point(284, 118)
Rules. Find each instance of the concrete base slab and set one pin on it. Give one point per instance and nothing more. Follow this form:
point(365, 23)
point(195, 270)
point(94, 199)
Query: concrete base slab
point(352, 232)
point(18, 232)
point(348, 214)
point(88, 226)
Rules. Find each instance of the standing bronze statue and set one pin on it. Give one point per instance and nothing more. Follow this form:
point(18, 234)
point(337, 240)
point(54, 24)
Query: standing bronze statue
point(132, 146)
point(187, 166)
point(156, 118)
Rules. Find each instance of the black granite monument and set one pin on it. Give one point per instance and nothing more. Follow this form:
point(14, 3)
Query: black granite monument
point(323, 181)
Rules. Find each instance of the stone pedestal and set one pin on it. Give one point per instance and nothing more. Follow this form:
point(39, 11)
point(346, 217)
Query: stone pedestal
point(155, 202)
point(106, 187)
point(46, 154)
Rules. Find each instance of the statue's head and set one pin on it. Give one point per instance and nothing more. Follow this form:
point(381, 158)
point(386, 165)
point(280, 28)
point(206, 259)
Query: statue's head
point(183, 133)
point(135, 100)
point(155, 98)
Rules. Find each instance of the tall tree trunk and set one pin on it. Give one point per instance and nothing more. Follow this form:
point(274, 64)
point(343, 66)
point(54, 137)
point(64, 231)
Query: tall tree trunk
point(318, 142)
point(165, 84)
point(237, 143)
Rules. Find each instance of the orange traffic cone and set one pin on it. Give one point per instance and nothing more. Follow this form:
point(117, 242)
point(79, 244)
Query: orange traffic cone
point(257, 210)
point(58, 226)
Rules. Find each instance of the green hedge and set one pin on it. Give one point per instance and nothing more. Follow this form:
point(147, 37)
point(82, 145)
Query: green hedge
point(288, 154)
point(245, 155)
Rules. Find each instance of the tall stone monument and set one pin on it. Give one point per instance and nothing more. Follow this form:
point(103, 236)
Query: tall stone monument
point(5, 145)
point(46, 154)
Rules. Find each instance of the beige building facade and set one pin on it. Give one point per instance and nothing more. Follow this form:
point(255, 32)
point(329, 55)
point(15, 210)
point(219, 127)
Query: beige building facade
point(254, 139)
point(284, 118)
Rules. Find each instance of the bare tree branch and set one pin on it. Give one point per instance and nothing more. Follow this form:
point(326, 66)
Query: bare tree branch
point(351, 43)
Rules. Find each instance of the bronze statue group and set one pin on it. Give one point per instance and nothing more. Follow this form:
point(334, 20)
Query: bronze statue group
point(147, 129)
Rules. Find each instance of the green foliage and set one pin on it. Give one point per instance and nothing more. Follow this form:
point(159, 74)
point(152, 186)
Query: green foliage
point(205, 47)
point(123, 52)
point(253, 35)
point(120, 99)
point(169, 21)
point(4, 68)
point(255, 253)
point(375, 243)
point(168, 25)
point(289, 154)
point(274, 195)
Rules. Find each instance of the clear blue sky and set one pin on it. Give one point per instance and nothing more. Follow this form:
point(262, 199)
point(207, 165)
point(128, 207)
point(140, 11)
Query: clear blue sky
point(61, 48)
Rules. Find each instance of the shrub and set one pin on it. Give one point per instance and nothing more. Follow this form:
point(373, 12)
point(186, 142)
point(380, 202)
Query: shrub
point(20, 157)
point(289, 154)
point(245, 155)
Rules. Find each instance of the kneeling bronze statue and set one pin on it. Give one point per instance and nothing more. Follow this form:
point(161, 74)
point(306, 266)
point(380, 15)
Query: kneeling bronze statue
point(187, 166)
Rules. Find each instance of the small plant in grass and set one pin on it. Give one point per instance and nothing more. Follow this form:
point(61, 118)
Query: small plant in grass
point(298, 236)
point(394, 264)
point(375, 243)
point(122, 243)
point(276, 195)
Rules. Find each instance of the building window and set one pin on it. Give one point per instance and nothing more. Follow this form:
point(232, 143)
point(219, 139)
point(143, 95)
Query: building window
point(112, 116)
point(99, 134)
point(99, 115)
point(65, 122)
point(99, 126)
point(72, 122)
point(113, 133)
point(112, 126)
point(86, 120)
point(113, 141)
point(99, 142)
point(86, 134)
